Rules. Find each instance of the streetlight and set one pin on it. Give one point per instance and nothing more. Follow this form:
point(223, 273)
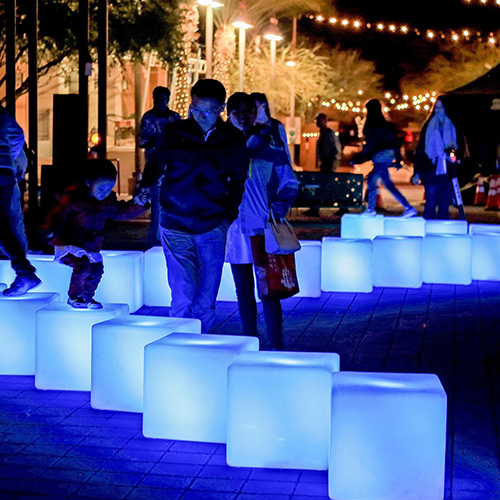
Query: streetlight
point(242, 22)
point(273, 34)
point(209, 31)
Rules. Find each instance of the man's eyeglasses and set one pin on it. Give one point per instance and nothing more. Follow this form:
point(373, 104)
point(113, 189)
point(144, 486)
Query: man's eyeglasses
point(207, 113)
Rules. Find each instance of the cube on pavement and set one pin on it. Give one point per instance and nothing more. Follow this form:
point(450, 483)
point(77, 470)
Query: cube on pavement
point(360, 226)
point(118, 357)
point(123, 278)
point(447, 259)
point(308, 265)
point(484, 228)
point(486, 256)
point(446, 227)
point(279, 409)
point(404, 226)
point(346, 265)
point(64, 344)
point(185, 385)
point(397, 261)
point(17, 331)
point(388, 437)
point(54, 275)
point(156, 288)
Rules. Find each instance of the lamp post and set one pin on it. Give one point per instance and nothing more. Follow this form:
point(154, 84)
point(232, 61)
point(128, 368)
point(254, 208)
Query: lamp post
point(273, 34)
point(209, 31)
point(242, 23)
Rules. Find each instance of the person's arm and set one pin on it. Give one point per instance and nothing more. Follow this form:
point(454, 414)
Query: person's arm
point(14, 134)
point(286, 192)
point(146, 139)
point(125, 210)
point(240, 160)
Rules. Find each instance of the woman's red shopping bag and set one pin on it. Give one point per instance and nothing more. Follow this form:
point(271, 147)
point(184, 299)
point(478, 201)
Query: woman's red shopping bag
point(276, 274)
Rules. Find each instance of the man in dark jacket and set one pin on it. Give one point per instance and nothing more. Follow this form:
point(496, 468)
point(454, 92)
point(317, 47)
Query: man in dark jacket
point(204, 163)
point(12, 240)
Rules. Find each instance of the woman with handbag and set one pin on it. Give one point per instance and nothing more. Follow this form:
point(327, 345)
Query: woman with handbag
point(383, 149)
point(271, 185)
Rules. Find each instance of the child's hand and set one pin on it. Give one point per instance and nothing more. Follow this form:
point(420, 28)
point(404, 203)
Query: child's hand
point(142, 196)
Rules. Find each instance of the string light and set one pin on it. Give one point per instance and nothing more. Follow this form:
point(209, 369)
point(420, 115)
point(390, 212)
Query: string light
point(431, 35)
point(484, 2)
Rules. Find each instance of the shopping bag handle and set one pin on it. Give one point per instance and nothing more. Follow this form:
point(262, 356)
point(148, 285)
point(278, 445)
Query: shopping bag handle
point(274, 222)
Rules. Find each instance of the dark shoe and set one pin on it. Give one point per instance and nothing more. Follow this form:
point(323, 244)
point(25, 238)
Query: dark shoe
point(78, 303)
point(93, 304)
point(21, 285)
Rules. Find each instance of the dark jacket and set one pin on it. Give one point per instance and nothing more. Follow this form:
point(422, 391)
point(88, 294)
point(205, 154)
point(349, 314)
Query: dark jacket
point(379, 139)
point(79, 219)
point(11, 140)
point(203, 181)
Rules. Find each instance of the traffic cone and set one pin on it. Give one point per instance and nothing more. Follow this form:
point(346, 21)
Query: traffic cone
point(492, 202)
point(480, 198)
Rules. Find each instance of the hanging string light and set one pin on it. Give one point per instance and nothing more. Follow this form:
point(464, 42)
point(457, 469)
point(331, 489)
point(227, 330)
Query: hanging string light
point(483, 2)
point(356, 24)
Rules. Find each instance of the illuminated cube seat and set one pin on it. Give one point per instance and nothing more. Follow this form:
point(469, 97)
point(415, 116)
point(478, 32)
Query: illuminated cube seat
point(185, 385)
point(346, 265)
point(308, 265)
point(359, 226)
point(55, 276)
point(123, 278)
point(64, 344)
point(446, 227)
point(397, 261)
point(279, 409)
point(156, 288)
point(17, 331)
point(486, 256)
point(484, 228)
point(118, 357)
point(401, 226)
point(447, 259)
point(388, 437)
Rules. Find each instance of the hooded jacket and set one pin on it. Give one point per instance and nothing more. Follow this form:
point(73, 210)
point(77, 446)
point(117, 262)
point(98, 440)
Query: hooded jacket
point(11, 140)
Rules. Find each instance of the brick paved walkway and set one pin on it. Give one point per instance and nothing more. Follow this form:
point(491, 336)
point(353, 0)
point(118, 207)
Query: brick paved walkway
point(54, 445)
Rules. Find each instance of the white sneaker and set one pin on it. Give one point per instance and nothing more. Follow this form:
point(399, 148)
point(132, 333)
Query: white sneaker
point(409, 212)
point(370, 213)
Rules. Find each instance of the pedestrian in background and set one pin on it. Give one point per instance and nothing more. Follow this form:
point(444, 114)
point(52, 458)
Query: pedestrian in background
point(383, 149)
point(328, 148)
point(436, 149)
point(151, 129)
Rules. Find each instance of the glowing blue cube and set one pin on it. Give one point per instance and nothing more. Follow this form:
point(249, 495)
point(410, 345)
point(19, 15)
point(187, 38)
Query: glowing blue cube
point(346, 265)
point(55, 276)
point(123, 278)
point(279, 409)
point(185, 385)
point(64, 344)
point(156, 288)
point(486, 256)
point(448, 259)
point(388, 437)
point(401, 226)
point(484, 228)
point(118, 357)
point(397, 261)
point(308, 265)
point(17, 331)
point(359, 226)
point(446, 227)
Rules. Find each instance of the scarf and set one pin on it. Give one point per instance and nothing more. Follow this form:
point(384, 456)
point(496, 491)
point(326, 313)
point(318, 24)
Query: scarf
point(439, 138)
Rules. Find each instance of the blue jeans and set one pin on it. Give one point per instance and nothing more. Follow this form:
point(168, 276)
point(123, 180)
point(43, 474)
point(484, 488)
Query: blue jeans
point(247, 306)
point(194, 271)
point(381, 171)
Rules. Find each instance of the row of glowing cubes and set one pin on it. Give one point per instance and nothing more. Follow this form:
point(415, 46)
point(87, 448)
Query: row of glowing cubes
point(379, 435)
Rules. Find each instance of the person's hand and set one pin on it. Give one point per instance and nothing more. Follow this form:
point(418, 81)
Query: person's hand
point(142, 196)
point(415, 179)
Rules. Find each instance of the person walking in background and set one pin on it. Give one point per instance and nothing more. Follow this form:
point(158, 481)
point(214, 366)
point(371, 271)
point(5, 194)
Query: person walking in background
point(435, 151)
point(276, 129)
point(204, 164)
point(328, 148)
point(271, 185)
point(12, 237)
point(383, 149)
point(75, 226)
point(151, 129)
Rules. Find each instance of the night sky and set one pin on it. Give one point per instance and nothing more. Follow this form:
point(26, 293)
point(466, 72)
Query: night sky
point(396, 54)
